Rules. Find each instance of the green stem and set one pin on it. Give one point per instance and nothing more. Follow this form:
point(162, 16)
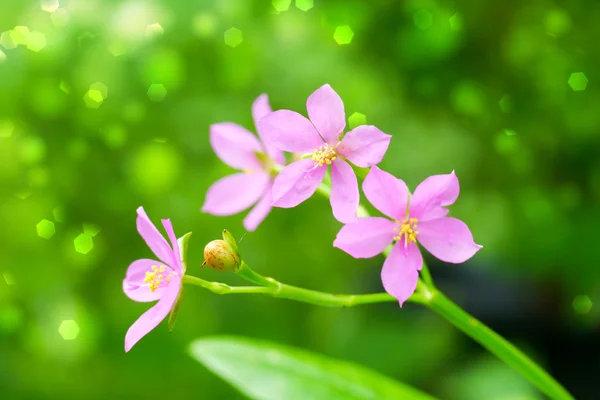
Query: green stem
point(494, 343)
point(284, 291)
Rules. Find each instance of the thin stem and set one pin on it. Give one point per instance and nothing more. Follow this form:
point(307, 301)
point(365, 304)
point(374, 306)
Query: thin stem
point(494, 343)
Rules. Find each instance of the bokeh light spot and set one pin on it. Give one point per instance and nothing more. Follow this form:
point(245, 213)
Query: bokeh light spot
point(154, 30)
point(114, 135)
point(7, 41)
point(2, 56)
point(6, 128)
point(155, 167)
point(8, 278)
point(456, 22)
point(578, 81)
point(100, 87)
point(45, 229)
point(91, 229)
point(357, 119)
point(505, 103)
point(233, 37)
point(281, 5)
point(68, 329)
point(305, 5)
point(60, 18)
point(343, 34)
point(582, 304)
point(31, 150)
point(84, 243)
point(50, 5)
point(507, 142)
point(36, 41)
point(423, 19)
point(20, 35)
point(59, 214)
point(204, 25)
point(93, 99)
point(157, 92)
point(557, 22)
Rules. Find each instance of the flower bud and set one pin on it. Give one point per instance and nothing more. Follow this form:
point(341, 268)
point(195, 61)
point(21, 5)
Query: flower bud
point(220, 256)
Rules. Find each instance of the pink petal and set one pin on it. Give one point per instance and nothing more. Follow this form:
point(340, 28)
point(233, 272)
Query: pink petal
point(365, 146)
point(449, 239)
point(155, 241)
point(174, 245)
point(260, 108)
point(151, 318)
point(326, 112)
point(366, 237)
point(259, 212)
point(290, 131)
point(235, 145)
point(133, 284)
point(433, 193)
point(235, 193)
point(296, 183)
point(387, 193)
point(344, 191)
point(399, 274)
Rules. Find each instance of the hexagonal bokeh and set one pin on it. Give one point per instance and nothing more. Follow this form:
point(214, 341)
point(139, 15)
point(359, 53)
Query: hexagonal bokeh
point(20, 35)
point(423, 19)
point(69, 329)
point(281, 5)
point(578, 81)
point(505, 103)
point(36, 41)
point(233, 37)
point(356, 119)
point(456, 22)
point(83, 243)
point(93, 99)
point(50, 5)
point(305, 5)
point(7, 41)
point(154, 30)
point(343, 34)
point(6, 128)
point(582, 304)
point(45, 229)
point(157, 92)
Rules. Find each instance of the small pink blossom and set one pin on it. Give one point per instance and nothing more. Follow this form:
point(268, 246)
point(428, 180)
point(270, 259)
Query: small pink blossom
point(417, 218)
point(320, 135)
point(149, 280)
point(242, 150)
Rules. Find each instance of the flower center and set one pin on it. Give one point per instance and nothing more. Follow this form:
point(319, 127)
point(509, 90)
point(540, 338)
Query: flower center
point(407, 231)
point(156, 277)
point(324, 155)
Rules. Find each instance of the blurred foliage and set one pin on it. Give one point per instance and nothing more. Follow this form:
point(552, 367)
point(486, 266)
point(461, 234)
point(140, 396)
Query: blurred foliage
point(105, 106)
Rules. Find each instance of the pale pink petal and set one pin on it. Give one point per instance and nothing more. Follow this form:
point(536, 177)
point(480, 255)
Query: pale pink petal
point(260, 108)
point(289, 131)
point(259, 212)
point(153, 238)
point(296, 183)
point(326, 112)
point(365, 146)
point(434, 192)
point(151, 318)
point(387, 193)
point(449, 239)
point(235, 193)
point(174, 245)
point(344, 191)
point(133, 284)
point(235, 145)
point(366, 237)
point(399, 274)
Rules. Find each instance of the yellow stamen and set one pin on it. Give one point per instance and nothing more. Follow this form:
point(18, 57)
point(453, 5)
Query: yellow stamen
point(155, 277)
point(407, 231)
point(324, 155)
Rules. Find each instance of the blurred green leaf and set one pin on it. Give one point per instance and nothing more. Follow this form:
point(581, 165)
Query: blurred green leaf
point(263, 370)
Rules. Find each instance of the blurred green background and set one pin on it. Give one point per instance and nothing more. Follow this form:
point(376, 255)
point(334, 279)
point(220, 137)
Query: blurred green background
point(105, 106)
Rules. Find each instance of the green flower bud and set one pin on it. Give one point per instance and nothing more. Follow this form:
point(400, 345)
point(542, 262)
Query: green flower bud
point(228, 237)
point(220, 256)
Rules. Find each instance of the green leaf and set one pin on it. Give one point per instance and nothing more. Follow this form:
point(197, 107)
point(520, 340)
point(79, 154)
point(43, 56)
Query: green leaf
point(183, 246)
point(267, 371)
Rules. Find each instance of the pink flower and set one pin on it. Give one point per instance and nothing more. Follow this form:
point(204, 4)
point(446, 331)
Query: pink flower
point(149, 280)
point(320, 135)
point(420, 217)
point(240, 149)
